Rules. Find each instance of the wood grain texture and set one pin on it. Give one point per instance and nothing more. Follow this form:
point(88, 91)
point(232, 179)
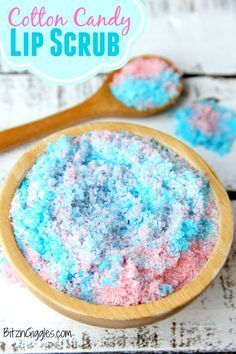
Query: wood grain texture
point(107, 316)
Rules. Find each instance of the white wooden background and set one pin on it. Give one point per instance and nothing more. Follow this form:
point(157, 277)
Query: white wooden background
point(199, 35)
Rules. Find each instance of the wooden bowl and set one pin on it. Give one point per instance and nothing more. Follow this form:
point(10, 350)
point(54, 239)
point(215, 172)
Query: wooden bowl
point(112, 316)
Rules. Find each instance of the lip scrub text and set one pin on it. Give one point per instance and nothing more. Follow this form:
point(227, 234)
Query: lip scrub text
point(84, 42)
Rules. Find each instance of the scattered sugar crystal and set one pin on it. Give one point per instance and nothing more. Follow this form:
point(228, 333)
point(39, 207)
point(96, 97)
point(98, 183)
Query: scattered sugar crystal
point(209, 124)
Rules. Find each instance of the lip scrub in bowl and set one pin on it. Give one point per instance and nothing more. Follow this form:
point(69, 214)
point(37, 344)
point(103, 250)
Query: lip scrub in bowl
point(115, 224)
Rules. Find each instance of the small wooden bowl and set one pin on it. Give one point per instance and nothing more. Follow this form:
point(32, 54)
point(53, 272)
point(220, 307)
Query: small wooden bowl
point(111, 316)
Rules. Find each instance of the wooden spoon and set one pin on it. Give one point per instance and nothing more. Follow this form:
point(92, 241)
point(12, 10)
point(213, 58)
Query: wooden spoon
point(102, 104)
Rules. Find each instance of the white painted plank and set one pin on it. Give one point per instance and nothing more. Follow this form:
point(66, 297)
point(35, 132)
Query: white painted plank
point(25, 98)
point(180, 6)
point(208, 324)
point(196, 34)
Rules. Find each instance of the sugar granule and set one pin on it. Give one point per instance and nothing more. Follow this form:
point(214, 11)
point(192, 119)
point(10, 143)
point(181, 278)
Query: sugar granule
point(207, 123)
point(7, 272)
point(114, 218)
point(146, 83)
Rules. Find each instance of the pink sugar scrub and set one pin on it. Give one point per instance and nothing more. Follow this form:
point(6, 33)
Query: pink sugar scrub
point(114, 218)
point(7, 272)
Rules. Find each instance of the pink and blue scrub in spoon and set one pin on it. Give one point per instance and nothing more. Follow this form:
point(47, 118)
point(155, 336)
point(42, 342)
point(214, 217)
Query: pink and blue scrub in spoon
point(146, 83)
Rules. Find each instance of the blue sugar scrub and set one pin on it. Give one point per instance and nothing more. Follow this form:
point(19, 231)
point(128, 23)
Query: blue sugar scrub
point(146, 83)
point(114, 218)
point(207, 123)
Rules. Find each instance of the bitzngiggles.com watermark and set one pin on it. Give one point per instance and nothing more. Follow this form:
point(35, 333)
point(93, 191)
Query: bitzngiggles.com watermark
point(37, 335)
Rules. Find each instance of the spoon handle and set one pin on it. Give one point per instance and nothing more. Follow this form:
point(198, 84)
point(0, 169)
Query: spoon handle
point(13, 137)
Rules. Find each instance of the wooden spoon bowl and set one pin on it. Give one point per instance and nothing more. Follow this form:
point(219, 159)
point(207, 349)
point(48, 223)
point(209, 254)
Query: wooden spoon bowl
point(102, 104)
point(111, 316)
